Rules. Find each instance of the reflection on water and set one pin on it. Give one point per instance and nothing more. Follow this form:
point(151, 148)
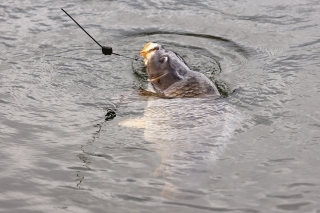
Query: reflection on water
point(254, 151)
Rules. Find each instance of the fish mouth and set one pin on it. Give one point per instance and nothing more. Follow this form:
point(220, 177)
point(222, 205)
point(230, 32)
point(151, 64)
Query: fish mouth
point(149, 49)
point(156, 78)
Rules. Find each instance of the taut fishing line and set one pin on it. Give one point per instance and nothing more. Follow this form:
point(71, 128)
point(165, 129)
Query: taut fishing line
point(105, 50)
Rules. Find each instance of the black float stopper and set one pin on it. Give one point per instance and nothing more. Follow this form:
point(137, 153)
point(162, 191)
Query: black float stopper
point(106, 50)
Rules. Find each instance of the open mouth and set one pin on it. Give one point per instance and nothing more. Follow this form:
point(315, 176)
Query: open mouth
point(156, 78)
point(149, 48)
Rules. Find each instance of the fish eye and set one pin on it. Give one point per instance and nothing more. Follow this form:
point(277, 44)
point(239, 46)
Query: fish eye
point(163, 59)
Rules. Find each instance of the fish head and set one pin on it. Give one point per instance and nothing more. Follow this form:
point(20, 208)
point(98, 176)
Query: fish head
point(164, 67)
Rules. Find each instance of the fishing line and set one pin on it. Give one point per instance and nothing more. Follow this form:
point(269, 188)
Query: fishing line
point(105, 50)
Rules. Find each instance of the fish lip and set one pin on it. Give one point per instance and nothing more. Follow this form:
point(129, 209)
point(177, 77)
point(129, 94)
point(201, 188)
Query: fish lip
point(145, 53)
point(158, 77)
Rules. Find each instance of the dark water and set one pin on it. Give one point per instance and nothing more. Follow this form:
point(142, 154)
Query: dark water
point(254, 151)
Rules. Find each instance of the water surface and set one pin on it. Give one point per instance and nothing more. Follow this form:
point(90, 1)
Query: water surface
point(255, 151)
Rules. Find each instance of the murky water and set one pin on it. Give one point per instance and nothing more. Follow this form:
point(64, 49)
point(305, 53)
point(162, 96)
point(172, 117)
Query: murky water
point(255, 151)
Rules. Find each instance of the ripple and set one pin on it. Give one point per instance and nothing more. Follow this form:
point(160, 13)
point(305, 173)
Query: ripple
point(214, 209)
point(202, 52)
point(59, 152)
point(293, 206)
point(133, 198)
point(293, 196)
point(300, 184)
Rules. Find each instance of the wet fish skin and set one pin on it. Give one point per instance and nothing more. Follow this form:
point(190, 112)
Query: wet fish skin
point(170, 76)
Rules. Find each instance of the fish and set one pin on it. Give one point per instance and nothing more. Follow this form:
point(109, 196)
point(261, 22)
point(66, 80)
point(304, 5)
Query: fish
point(171, 77)
point(186, 123)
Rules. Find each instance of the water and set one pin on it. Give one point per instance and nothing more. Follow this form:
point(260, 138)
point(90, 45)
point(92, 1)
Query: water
point(59, 154)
